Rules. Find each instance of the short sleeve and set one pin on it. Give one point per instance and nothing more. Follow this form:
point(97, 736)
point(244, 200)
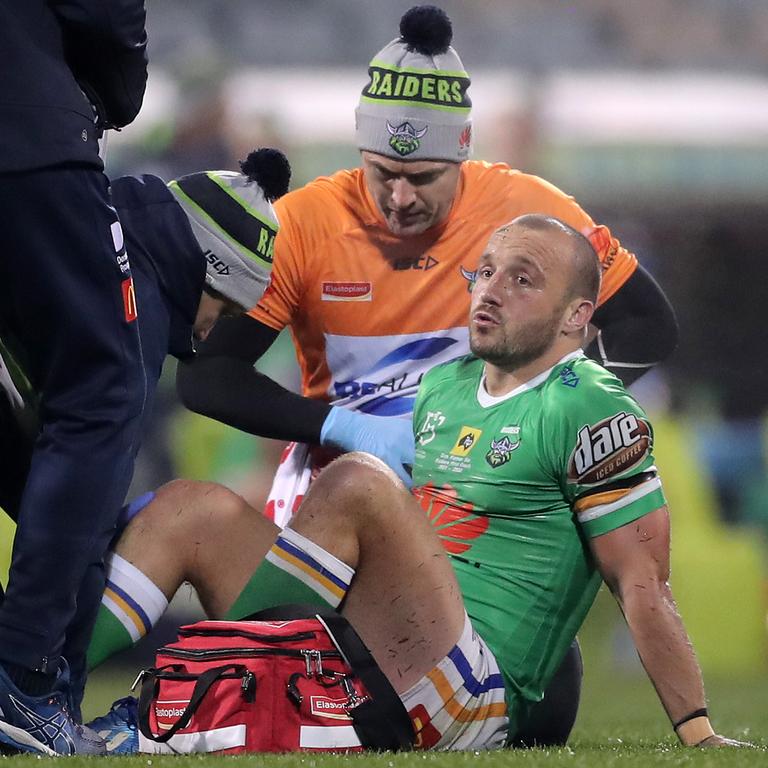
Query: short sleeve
point(605, 463)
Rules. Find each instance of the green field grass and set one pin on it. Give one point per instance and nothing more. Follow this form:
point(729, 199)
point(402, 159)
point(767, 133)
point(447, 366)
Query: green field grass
point(620, 725)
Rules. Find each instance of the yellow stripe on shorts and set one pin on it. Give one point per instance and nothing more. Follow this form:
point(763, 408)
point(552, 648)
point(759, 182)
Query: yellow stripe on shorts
point(456, 710)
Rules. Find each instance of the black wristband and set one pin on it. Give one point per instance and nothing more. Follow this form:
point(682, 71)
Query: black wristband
point(692, 716)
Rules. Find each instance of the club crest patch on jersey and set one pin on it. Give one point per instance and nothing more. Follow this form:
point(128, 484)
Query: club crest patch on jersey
point(404, 138)
point(609, 449)
point(501, 449)
point(466, 441)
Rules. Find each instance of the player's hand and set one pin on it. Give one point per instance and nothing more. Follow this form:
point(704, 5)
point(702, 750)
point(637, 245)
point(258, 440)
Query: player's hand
point(388, 438)
point(715, 740)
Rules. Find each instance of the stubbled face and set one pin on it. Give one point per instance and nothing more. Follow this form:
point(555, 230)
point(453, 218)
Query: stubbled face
point(212, 306)
point(519, 297)
point(411, 195)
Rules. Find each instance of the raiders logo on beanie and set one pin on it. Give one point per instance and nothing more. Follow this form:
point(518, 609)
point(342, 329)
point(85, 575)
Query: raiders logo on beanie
point(233, 220)
point(415, 105)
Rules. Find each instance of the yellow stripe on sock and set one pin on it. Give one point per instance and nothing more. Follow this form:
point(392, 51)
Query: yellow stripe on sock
point(334, 589)
point(128, 611)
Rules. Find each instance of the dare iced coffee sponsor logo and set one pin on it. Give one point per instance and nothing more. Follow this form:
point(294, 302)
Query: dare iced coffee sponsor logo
point(609, 448)
point(324, 706)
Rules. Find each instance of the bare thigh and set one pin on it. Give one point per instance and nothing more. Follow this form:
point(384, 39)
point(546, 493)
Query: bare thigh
point(404, 601)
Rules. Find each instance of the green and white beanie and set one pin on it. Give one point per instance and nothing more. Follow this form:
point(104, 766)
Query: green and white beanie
point(233, 220)
point(415, 105)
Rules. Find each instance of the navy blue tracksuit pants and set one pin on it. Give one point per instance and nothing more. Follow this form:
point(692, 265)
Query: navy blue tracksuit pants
point(65, 307)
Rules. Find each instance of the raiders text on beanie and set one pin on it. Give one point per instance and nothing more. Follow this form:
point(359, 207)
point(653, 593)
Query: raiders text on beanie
point(415, 105)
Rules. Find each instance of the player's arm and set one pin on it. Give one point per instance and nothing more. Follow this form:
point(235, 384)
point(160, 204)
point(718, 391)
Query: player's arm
point(612, 484)
point(636, 328)
point(634, 561)
point(105, 46)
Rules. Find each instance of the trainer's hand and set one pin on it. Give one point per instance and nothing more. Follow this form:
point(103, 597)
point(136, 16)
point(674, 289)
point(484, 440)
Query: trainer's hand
point(721, 741)
point(389, 439)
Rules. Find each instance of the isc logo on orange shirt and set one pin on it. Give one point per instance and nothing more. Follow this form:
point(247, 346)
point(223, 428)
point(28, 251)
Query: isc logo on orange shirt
point(346, 291)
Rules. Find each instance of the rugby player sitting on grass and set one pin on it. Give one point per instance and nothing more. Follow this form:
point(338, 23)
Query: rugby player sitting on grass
point(371, 273)
point(535, 469)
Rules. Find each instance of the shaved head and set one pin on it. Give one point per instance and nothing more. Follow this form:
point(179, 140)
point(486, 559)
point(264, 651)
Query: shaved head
point(583, 262)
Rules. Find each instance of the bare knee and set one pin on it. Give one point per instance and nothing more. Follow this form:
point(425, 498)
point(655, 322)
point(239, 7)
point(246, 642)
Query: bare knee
point(360, 477)
point(179, 511)
point(187, 530)
point(356, 485)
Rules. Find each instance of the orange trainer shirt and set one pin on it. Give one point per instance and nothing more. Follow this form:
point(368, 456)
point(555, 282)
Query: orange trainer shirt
point(370, 313)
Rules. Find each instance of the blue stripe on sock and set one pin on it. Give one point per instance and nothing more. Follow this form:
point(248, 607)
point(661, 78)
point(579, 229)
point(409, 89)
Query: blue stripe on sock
point(281, 543)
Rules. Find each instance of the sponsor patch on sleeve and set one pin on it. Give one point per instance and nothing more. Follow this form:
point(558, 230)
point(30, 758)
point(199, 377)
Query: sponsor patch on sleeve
point(609, 449)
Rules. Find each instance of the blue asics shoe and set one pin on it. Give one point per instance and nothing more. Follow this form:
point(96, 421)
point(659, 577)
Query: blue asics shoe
point(43, 724)
point(119, 727)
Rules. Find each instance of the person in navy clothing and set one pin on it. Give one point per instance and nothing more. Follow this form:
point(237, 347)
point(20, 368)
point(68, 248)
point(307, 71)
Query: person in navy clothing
point(190, 261)
point(71, 69)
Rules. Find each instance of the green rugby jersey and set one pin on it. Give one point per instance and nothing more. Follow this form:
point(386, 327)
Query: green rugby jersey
point(515, 485)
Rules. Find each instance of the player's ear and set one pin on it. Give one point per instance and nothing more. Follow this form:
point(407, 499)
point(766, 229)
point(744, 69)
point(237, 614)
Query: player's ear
point(577, 315)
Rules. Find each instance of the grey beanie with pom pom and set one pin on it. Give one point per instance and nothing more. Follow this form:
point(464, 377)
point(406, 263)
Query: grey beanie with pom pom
point(415, 105)
point(233, 220)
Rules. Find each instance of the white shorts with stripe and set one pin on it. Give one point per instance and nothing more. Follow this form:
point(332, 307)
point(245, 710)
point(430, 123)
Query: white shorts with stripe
point(460, 703)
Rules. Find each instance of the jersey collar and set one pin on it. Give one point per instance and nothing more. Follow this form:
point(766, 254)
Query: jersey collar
point(487, 400)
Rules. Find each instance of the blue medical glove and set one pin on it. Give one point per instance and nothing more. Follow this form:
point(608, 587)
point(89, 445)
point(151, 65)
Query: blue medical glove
point(388, 438)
